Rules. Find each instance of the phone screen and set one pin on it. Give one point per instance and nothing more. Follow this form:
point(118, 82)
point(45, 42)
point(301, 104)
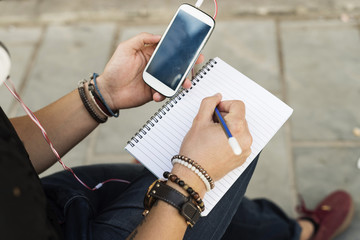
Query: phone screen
point(177, 49)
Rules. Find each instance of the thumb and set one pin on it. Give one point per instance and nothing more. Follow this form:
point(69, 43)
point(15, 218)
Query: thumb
point(143, 39)
point(207, 107)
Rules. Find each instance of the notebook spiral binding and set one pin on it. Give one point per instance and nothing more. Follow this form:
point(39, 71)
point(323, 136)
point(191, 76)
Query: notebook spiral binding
point(170, 104)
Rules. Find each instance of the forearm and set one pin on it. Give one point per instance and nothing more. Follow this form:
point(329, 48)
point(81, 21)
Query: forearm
point(164, 221)
point(66, 122)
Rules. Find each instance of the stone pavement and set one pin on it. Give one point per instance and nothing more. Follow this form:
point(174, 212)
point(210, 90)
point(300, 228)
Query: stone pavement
point(308, 55)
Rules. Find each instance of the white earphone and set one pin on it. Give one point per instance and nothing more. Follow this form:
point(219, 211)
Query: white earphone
point(5, 63)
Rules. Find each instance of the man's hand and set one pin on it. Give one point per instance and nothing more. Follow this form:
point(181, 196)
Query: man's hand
point(121, 83)
point(207, 143)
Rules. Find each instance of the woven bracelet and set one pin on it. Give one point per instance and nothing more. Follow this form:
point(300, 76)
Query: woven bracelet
point(194, 195)
point(87, 104)
point(96, 100)
point(114, 114)
point(196, 168)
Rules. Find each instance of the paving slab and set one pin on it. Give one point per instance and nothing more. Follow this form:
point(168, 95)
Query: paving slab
point(250, 47)
point(319, 171)
point(322, 69)
point(68, 54)
point(127, 32)
point(22, 11)
point(21, 42)
point(18, 11)
point(346, 5)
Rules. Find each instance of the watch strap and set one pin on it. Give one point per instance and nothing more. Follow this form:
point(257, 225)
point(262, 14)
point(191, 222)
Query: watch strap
point(187, 208)
point(168, 194)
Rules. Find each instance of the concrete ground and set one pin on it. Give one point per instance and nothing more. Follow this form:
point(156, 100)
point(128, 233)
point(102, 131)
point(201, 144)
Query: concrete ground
point(305, 52)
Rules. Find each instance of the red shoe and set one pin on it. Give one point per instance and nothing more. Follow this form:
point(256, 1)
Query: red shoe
point(331, 217)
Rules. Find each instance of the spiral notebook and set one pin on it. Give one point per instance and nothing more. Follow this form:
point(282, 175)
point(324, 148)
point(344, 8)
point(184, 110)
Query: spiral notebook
point(161, 136)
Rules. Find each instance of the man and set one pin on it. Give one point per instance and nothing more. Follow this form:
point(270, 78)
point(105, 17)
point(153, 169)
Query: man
point(60, 207)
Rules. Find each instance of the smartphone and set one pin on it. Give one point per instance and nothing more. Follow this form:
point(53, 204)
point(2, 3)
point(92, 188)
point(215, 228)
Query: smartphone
point(178, 49)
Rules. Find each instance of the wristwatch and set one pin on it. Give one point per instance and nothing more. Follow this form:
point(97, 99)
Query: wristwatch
point(158, 190)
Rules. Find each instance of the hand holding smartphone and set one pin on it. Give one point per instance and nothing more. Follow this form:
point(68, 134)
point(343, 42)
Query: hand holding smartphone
point(178, 49)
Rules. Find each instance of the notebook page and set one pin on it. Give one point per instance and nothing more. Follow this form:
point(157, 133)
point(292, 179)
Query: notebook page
point(265, 114)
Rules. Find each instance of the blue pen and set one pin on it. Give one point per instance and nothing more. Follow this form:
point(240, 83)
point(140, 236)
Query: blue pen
point(232, 140)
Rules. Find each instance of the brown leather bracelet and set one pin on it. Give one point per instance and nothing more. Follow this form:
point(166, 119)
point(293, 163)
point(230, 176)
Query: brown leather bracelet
point(160, 191)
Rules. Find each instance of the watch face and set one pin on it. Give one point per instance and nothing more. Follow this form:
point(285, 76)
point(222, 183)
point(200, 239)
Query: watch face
point(148, 199)
point(191, 212)
point(159, 190)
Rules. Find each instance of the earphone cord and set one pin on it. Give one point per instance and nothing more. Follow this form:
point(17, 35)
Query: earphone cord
point(47, 139)
point(198, 5)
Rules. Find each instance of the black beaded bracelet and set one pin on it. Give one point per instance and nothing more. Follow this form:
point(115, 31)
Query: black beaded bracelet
point(87, 104)
point(187, 188)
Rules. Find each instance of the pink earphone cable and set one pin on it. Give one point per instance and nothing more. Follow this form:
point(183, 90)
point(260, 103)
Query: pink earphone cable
point(47, 139)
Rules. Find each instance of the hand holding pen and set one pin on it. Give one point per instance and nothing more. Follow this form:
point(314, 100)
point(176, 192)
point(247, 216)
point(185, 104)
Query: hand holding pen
point(207, 143)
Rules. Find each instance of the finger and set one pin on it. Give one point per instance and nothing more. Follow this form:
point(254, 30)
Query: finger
point(223, 114)
point(148, 51)
point(144, 39)
point(207, 107)
point(157, 97)
point(234, 107)
point(200, 59)
point(187, 83)
point(235, 118)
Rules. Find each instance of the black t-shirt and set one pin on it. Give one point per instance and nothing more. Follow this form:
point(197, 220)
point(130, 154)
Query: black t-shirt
point(24, 211)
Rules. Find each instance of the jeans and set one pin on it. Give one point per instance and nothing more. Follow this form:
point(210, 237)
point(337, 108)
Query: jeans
point(114, 211)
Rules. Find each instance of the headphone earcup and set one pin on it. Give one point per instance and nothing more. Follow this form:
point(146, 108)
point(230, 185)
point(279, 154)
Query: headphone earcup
point(5, 63)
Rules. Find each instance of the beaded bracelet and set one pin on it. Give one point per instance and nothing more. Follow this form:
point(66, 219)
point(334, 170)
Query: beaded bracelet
point(87, 104)
point(187, 188)
point(114, 114)
point(195, 167)
point(192, 168)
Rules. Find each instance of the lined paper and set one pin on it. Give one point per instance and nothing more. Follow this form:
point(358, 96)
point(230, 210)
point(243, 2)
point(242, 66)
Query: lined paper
point(161, 137)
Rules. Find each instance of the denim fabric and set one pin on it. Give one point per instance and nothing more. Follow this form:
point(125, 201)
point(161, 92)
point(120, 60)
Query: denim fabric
point(262, 220)
point(113, 211)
